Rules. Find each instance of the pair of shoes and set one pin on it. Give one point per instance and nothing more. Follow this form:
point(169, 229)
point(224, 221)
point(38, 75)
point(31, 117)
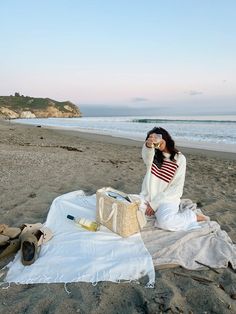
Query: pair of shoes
point(32, 237)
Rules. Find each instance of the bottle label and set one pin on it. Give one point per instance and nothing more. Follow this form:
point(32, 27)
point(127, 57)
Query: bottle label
point(85, 222)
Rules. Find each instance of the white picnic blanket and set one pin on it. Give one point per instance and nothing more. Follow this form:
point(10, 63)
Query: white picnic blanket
point(207, 244)
point(74, 254)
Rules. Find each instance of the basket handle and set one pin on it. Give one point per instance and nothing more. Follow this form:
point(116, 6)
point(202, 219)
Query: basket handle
point(113, 213)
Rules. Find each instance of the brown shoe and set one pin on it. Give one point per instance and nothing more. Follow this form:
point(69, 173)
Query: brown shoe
point(10, 232)
point(3, 240)
point(11, 247)
point(36, 229)
point(30, 246)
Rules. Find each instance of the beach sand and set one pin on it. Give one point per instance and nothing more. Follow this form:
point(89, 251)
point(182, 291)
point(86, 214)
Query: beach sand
point(39, 164)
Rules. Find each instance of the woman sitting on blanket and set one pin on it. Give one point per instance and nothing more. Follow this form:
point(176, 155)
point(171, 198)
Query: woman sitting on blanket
point(163, 183)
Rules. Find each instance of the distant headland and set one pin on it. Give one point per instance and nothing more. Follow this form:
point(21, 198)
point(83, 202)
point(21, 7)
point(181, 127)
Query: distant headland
point(20, 106)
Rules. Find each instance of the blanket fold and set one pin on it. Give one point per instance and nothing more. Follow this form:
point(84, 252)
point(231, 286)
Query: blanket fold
point(208, 244)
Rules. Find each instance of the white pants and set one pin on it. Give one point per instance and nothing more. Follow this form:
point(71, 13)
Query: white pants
point(168, 217)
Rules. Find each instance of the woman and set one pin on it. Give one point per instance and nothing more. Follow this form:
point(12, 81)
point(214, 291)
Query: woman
point(163, 183)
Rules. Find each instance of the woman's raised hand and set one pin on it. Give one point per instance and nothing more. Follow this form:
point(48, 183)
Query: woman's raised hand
point(153, 140)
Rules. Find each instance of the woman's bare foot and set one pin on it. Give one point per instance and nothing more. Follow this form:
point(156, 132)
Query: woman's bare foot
point(201, 217)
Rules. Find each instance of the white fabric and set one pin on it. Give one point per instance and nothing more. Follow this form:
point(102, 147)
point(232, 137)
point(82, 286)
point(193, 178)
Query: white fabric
point(156, 190)
point(208, 244)
point(74, 254)
point(169, 217)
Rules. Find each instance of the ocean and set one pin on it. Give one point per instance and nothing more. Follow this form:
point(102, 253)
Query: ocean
point(209, 132)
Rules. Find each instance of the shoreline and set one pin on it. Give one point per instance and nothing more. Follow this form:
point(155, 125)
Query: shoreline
point(130, 142)
point(185, 148)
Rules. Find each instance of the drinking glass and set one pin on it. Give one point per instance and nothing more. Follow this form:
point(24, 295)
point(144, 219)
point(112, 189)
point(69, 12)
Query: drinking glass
point(158, 138)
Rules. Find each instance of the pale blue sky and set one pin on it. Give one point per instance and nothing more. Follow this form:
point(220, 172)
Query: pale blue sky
point(169, 54)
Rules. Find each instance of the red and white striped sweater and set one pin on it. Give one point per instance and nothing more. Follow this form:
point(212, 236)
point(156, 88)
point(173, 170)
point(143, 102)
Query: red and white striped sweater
point(165, 184)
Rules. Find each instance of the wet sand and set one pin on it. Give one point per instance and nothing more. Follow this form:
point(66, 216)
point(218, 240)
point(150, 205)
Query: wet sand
point(38, 164)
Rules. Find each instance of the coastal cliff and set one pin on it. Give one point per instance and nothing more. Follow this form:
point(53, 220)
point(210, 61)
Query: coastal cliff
point(19, 106)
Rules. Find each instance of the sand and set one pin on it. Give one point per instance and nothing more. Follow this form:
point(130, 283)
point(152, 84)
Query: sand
point(38, 164)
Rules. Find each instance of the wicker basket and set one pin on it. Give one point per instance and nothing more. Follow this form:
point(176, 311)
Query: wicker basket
point(118, 216)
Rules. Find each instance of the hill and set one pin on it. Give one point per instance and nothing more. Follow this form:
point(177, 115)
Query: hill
point(20, 106)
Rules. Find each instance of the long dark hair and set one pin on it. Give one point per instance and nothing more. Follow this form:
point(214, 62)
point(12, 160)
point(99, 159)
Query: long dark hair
point(170, 145)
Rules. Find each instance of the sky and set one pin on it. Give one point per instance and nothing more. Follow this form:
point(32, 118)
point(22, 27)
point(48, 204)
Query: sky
point(123, 56)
